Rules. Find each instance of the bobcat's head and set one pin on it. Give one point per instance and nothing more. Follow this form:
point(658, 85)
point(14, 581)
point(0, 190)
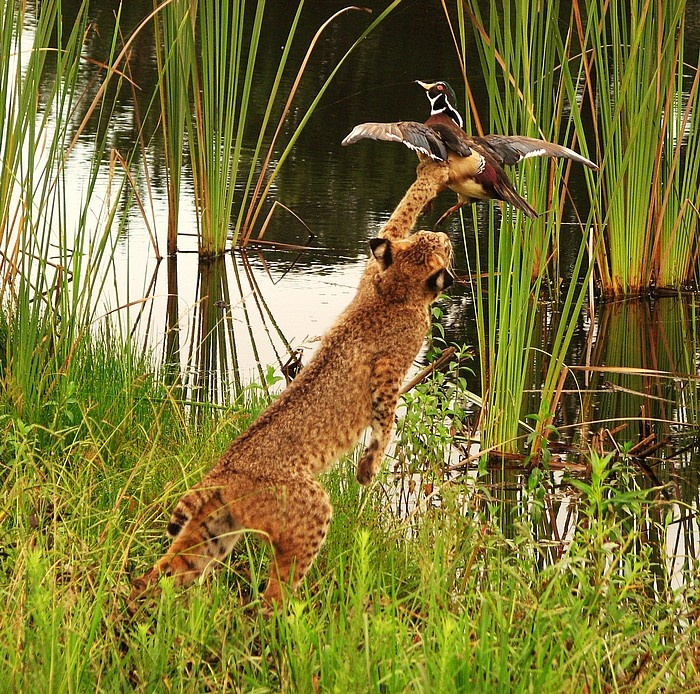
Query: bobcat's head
point(414, 268)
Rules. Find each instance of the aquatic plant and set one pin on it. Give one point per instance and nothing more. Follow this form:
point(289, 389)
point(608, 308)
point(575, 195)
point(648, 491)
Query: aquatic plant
point(222, 81)
point(642, 90)
point(528, 67)
point(173, 28)
point(210, 63)
point(56, 242)
point(626, 72)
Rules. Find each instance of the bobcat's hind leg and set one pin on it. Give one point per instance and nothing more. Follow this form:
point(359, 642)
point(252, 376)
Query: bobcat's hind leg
point(307, 512)
point(205, 531)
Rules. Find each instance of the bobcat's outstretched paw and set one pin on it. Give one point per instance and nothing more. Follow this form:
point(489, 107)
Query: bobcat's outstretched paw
point(367, 467)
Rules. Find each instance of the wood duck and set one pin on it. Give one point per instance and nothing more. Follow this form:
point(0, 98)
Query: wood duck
point(475, 163)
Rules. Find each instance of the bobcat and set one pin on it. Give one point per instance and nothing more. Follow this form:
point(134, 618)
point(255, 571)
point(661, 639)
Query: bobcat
point(266, 481)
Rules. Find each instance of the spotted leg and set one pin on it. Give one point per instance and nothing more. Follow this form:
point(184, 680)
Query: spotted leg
point(204, 531)
point(385, 394)
point(306, 515)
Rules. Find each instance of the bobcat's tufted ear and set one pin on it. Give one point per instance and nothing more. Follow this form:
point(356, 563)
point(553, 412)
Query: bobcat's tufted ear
point(381, 250)
point(440, 280)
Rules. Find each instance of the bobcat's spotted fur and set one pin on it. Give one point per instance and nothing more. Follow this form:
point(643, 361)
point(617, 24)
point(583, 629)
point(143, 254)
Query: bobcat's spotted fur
point(266, 481)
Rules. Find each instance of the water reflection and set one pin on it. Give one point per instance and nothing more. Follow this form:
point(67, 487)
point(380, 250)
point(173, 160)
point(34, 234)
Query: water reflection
point(222, 322)
point(645, 359)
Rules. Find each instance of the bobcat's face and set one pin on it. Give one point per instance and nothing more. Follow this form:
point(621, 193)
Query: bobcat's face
point(419, 263)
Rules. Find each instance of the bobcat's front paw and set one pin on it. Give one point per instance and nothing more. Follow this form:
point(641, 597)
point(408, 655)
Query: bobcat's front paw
point(367, 467)
point(142, 589)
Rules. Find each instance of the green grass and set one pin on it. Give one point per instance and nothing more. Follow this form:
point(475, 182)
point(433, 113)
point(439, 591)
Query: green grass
point(442, 602)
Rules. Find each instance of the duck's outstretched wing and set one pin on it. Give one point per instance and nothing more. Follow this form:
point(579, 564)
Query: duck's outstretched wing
point(413, 135)
point(510, 149)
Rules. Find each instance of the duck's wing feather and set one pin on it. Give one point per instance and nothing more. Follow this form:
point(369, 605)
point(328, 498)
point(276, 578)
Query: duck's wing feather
point(454, 138)
point(413, 135)
point(510, 149)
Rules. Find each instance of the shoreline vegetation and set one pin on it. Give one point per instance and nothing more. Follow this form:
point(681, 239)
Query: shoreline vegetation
point(440, 577)
point(469, 588)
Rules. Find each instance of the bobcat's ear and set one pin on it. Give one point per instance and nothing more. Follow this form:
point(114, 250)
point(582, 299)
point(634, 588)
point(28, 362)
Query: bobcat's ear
point(440, 281)
point(381, 250)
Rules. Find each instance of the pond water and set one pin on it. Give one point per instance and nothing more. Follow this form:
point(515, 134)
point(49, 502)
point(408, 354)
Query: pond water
point(342, 195)
point(226, 320)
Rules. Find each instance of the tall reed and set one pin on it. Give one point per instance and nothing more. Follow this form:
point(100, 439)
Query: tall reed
point(532, 84)
point(56, 244)
point(211, 59)
point(647, 135)
point(174, 43)
point(222, 83)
